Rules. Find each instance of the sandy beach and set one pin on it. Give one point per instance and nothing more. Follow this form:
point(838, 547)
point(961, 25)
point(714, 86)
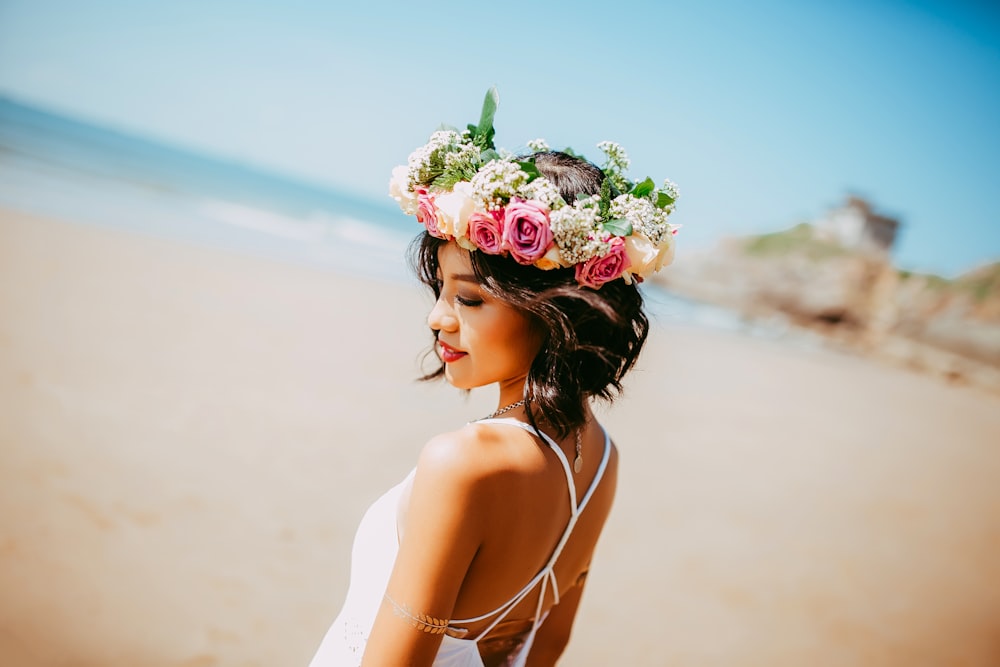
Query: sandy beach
point(188, 438)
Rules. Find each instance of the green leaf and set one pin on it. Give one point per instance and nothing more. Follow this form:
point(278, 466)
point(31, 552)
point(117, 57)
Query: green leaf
point(488, 155)
point(605, 204)
point(483, 133)
point(664, 200)
point(618, 227)
point(530, 169)
point(446, 127)
point(446, 181)
point(644, 188)
point(490, 103)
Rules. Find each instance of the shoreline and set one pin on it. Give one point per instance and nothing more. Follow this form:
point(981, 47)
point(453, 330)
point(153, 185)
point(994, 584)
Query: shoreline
point(189, 438)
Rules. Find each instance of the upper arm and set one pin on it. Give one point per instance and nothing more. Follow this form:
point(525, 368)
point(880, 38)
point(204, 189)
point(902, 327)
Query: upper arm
point(440, 537)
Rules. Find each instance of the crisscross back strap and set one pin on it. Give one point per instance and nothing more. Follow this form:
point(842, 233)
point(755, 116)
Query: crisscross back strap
point(547, 574)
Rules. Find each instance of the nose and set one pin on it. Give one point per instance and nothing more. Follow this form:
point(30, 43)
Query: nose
point(442, 317)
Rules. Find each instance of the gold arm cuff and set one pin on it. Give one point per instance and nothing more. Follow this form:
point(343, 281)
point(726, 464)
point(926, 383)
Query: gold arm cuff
point(421, 622)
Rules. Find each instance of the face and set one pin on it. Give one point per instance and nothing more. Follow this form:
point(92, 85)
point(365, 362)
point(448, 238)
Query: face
point(481, 339)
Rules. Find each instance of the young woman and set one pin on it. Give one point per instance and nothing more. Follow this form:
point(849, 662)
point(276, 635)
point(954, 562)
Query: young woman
point(479, 557)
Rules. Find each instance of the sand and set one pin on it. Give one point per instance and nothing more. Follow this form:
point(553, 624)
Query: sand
point(188, 438)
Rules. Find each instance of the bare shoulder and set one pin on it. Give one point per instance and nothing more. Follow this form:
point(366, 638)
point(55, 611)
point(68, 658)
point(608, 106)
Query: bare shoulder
point(461, 461)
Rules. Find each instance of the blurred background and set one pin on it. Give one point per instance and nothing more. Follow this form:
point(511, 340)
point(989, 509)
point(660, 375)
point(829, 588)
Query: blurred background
point(209, 332)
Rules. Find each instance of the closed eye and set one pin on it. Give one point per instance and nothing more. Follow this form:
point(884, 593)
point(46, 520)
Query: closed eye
point(468, 301)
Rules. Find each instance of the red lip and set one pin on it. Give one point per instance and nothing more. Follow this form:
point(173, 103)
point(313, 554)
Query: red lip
point(448, 353)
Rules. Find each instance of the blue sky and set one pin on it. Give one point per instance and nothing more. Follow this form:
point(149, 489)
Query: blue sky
point(764, 113)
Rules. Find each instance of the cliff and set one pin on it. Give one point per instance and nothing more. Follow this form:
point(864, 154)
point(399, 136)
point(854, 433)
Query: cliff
point(855, 298)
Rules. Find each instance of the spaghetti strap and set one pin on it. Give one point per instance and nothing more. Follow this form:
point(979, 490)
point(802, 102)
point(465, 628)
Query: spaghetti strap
point(547, 574)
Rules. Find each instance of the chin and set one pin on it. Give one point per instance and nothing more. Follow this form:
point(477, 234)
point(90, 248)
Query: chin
point(459, 382)
point(452, 380)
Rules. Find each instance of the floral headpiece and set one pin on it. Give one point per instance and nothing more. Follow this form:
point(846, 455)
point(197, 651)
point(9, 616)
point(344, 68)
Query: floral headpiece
point(460, 187)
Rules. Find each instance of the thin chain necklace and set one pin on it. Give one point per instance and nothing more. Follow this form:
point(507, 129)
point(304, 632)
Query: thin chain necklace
point(578, 461)
point(506, 408)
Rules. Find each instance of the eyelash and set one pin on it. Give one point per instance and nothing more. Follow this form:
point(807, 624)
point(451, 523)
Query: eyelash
point(472, 303)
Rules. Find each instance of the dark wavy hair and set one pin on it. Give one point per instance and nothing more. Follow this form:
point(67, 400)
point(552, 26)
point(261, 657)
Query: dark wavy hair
point(591, 338)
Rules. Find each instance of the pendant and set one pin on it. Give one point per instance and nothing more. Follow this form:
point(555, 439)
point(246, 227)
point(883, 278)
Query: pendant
point(578, 463)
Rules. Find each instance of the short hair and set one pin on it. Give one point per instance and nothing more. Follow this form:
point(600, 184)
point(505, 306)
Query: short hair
point(591, 337)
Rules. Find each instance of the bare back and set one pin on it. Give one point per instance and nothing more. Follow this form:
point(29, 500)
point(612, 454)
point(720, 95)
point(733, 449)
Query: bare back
point(530, 512)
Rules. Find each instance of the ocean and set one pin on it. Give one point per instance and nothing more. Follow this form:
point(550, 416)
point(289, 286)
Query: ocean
point(55, 166)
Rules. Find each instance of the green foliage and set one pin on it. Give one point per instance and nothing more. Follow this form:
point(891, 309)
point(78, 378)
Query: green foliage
point(449, 178)
point(435, 168)
point(604, 207)
point(482, 134)
point(798, 239)
point(618, 181)
point(643, 189)
point(618, 227)
point(937, 282)
point(981, 284)
point(530, 169)
point(930, 281)
point(664, 200)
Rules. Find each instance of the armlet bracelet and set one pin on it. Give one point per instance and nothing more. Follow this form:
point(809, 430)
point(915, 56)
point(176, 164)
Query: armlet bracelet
point(421, 622)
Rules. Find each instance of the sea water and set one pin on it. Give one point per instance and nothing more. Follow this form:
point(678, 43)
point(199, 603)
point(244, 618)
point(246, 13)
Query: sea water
point(56, 166)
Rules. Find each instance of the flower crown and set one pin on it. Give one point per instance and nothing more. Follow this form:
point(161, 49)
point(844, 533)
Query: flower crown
point(461, 188)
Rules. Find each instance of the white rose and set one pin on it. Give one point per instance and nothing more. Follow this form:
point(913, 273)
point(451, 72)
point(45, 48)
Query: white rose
point(399, 189)
point(550, 260)
point(665, 257)
point(454, 209)
point(642, 255)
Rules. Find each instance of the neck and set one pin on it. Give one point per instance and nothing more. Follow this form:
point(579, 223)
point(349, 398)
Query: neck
point(511, 392)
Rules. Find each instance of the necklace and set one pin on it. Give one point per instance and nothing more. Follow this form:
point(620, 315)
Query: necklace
point(578, 461)
point(506, 408)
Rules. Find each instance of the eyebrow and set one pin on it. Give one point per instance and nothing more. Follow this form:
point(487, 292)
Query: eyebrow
point(464, 277)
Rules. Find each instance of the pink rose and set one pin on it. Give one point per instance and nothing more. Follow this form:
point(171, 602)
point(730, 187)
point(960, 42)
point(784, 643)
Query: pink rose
point(526, 231)
point(427, 212)
point(486, 231)
point(598, 270)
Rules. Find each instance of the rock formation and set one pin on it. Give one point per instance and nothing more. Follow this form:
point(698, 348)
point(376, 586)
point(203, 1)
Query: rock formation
point(854, 295)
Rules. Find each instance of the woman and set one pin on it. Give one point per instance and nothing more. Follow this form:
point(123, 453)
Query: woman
point(480, 555)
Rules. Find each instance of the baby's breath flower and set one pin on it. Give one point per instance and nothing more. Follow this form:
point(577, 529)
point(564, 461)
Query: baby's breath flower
point(541, 189)
point(464, 153)
point(539, 145)
point(428, 161)
point(496, 182)
point(577, 232)
point(645, 218)
point(617, 157)
point(670, 189)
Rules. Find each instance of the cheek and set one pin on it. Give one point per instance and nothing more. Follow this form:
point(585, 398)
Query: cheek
point(524, 342)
